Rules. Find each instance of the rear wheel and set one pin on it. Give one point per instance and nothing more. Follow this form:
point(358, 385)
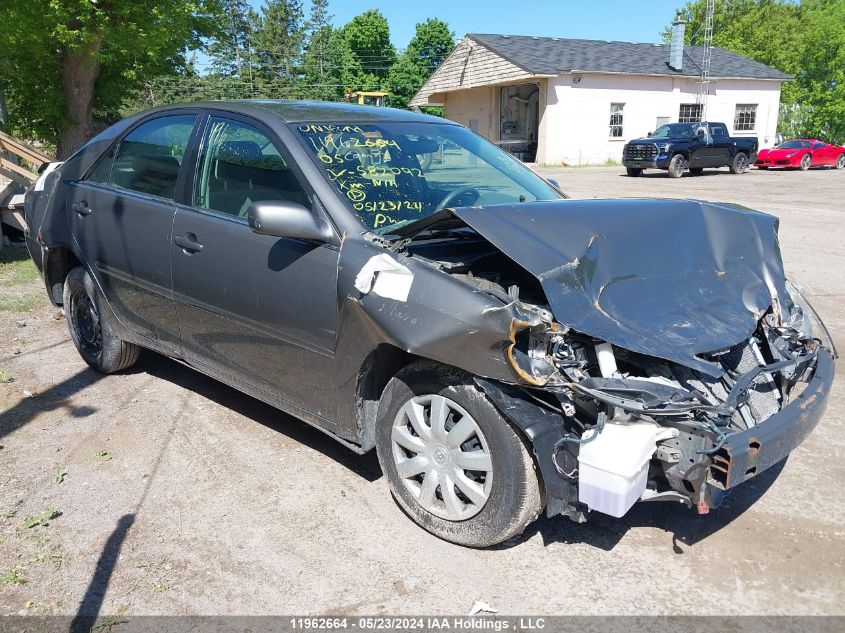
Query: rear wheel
point(840, 162)
point(806, 162)
point(633, 172)
point(453, 463)
point(90, 329)
point(740, 163)
point(677, 166)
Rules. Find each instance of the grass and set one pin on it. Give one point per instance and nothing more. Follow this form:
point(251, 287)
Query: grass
point(4, 378)
point(13, 576)
point(43, 519)
point(16, 270)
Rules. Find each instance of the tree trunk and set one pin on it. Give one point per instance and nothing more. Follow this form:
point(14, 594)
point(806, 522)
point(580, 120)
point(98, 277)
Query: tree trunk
point(80, 69)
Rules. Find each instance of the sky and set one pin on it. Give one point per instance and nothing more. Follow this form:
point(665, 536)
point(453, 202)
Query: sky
point(625, 20)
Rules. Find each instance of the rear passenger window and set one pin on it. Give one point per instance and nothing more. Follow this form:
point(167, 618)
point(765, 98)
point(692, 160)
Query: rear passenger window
point(149, 157)
point(719, 130)
point(239, 165)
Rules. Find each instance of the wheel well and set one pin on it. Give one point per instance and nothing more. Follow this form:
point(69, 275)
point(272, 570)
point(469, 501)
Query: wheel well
point(60, 261)
point(382, 364)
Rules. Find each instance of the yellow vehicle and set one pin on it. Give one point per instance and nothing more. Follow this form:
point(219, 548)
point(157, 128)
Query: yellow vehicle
point(373, 98)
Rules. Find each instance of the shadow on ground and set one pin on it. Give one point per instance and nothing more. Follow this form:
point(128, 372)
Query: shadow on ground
point(365, 466)
point(56, 397)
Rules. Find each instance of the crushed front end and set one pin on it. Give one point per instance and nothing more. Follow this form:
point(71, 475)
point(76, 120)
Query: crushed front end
point(706, 432)
point(656, 348)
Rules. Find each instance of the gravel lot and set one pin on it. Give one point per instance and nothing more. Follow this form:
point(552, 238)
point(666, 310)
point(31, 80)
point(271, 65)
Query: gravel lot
point(182, 496)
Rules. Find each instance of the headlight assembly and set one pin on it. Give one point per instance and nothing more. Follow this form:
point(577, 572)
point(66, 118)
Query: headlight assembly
point(803, 318)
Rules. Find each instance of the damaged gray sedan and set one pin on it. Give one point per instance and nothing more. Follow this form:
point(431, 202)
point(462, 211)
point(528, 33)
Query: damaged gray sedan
point(401, 284)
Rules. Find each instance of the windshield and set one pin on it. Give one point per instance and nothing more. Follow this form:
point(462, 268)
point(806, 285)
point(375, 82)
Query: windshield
point(390, 174)
point(794, 145)
point(676, 130)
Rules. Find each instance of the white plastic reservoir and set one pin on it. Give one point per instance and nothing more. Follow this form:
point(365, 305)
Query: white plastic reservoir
point(613, 468)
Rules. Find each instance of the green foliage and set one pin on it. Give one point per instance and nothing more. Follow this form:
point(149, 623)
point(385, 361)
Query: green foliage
point(279, 42)
point(135, 56)
point(42, 519)
point(119, 44)
point(431, 44)
point(805, 40)
point(368, 36)
point(230, 49)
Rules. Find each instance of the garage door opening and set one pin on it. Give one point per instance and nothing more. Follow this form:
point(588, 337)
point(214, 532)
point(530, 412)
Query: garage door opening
point(520, 119)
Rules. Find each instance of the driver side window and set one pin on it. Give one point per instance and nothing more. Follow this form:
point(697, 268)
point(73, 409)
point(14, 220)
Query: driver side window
point(238, 165)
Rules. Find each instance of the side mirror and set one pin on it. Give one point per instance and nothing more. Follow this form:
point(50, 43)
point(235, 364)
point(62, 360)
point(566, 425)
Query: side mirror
point(553, 182)
point(286, 219)
point(650, 134)
point(700, 135)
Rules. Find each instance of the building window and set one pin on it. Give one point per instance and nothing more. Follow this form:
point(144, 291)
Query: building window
point(689, 113)
point(616, 120)
point(746, 117)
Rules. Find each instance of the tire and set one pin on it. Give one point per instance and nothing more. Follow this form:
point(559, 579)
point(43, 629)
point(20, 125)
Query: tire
point(696, 171)
point(740, 163)
point(677, 166)
point(88, 319)
point(806, 162)
point(499, 503)
point(840, 162)
point(634, 172)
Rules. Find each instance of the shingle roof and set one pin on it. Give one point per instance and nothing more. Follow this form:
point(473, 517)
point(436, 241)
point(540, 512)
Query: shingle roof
point(552, 55)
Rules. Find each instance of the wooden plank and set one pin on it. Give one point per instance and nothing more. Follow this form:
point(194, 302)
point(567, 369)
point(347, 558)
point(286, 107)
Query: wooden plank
point(23, 150)
point(17, 168)
point(19, 178)
point(13, 218)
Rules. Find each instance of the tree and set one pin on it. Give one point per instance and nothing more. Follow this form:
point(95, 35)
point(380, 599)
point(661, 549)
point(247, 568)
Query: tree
point(230, 52)
point(805, 40)
point(279, 41)
point(431, 44)
point(368, 36)
point(66, 60)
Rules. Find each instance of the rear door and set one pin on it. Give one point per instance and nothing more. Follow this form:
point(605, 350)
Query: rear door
point(257, 309)
point(720, 149)
point(121, 214)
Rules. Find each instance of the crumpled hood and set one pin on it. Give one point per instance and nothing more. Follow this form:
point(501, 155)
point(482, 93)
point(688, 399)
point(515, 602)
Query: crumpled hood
point(666, 278)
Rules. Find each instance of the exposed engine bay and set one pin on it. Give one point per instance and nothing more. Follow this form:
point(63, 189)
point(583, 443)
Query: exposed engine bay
point(694, 424)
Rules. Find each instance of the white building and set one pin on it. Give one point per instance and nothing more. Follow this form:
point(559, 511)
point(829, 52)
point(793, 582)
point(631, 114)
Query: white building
point(554, 101)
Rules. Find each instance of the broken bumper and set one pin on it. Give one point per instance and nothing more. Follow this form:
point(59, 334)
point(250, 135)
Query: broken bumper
point(748, 453)
point(742, 456)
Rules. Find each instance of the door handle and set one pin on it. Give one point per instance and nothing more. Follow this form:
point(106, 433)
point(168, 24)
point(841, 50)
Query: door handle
point(188, 243)
point(81, 208)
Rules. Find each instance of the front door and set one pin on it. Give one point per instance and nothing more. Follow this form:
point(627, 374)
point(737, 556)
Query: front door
point(121, 216)
point(257, 309)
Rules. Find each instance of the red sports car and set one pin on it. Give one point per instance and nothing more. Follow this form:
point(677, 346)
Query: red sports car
point(803, 154)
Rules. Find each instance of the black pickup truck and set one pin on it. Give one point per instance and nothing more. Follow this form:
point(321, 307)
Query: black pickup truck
point(677, 147)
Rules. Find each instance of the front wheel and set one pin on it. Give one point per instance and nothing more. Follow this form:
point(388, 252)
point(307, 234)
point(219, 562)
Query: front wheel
point(806, 162)
point(840, 162)
point(677, 166)
point(739, 164)
point(90, 329)
point(633, 172)
point(452, 462)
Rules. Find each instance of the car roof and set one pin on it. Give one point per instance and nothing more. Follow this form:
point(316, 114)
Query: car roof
point(312, 111)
